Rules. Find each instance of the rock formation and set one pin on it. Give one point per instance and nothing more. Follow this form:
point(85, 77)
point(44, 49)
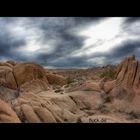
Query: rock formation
point(52, 108)
point(55, 79)
point(128, 76)
point(7, 78)
point(125, 89)
point(8, 94)
point(27, 94)
point(13, 63)
point(26, 72)
point(7, 115)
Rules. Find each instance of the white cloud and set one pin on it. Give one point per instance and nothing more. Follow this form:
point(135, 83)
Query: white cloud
point(102, 37)
point(105, 30)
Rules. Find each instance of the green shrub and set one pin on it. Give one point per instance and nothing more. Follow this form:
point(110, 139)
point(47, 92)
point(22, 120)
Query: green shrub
point(110, 74)
point(70, 80)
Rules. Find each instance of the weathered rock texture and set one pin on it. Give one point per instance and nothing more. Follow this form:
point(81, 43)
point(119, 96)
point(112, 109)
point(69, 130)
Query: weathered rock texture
point(8, 94)
point(7, 78)
point(25, 89)
point(23, 77)
point(7, 115)
point(26, 72)
point(128, 76)
point(54, 108)
point(126, 87)
point(55, 79)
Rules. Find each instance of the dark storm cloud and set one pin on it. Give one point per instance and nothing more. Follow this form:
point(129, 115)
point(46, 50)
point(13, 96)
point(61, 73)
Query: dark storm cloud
point(115, 55)
point(51, 41)
point(127, 48)
point(68, 44)
point(8, 44)
point(70, 63)
point(62, 62)
point(131, 20)
point(57, 29)
point(132, 25)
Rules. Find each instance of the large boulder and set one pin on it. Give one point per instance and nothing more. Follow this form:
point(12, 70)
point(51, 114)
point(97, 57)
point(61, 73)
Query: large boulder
point(31, 108)
point(6, 64)
point(124, 91)
point(109, 85)
point(30, 114)
point(8, 94)
point(128, 76)
point(34, 86)
point(136, 83)
point(88, 85)
point(52, 108)
point(26, 72)
point(13, 63)
point(45, 115)
point(55, 79)
point(7, 115)
point(30, 76)
point(7, 78)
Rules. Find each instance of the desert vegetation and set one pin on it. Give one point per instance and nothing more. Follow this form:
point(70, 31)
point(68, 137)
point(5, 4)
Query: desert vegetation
point(109, 74)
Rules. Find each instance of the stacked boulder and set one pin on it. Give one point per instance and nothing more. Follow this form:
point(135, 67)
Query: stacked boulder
point(128, 76)
point(125, 89)
point(7, 78)
point(30, 77)
point(16, 78)
point(20, 86)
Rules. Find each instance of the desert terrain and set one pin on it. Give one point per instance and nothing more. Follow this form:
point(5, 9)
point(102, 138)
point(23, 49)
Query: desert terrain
point(30, 93)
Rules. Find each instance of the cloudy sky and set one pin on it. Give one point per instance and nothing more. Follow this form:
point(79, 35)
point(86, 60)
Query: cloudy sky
point(69, 42)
